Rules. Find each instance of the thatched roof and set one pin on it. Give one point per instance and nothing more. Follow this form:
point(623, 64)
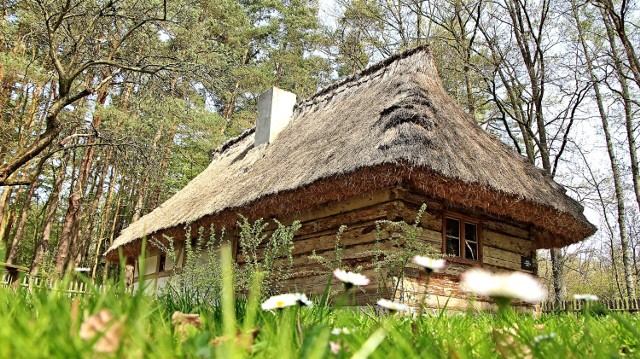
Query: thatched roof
point(391, 124)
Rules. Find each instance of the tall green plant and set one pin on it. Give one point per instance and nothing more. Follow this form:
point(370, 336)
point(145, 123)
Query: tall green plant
point(269, 255)
point(391, 266)
point(198, 282)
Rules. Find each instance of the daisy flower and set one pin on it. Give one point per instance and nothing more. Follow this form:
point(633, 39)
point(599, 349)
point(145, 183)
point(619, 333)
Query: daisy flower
point(350, 279)
point(286, 300)
point(586, 297)
point(544, 337)
point(338, 331)
point(303, 300)
point(429, 264)
point(513, 285)
point(392, 306)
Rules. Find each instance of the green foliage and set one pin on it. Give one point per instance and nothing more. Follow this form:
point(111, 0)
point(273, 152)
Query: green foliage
point(391, 265)
point(183, 82)
point(47, 323)
point(200, 281)
point(356, 36)
point(336, 262)
point(271, 256)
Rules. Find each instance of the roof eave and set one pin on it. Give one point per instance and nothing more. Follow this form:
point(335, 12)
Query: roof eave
point(553, 228)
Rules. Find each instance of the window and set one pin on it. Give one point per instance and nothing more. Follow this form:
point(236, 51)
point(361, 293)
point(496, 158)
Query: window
point(162, 262)
point(461, 238)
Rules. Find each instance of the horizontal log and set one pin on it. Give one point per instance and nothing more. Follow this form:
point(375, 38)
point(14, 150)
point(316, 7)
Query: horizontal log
point(343, 207)
point(374, 212)
point(501, 258)
point(418, 199)
point(508, 229)
point(507, 243)
point(348, 239)
point(430, 219)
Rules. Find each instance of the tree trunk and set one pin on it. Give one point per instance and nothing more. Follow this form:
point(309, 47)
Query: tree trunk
point(157, 188)
point(72, 216)
point(24, 213)
point(628, 108)
point(114, 225)
point(557, 269)
point(5, 201)
point(618, 21)
point(615, 170)
point(86, 235)
point(43, 246)
point(105, 216)
point(10, 215)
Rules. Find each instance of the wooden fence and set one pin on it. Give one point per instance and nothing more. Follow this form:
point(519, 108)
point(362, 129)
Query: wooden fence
point(74, 287)
point(616, 305)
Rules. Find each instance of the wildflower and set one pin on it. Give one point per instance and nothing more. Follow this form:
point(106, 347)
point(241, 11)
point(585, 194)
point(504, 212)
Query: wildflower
point(543, 337)
point(338, 331)
point(335, 347)
point(286, 300)
point(586, 297)
point(350, 279)
point(429, 264)
point(513, 285)
point(392, 306)
point(102, 324)
point(303, 301)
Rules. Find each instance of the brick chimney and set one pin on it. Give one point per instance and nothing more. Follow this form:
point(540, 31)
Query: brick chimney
point(275, 108)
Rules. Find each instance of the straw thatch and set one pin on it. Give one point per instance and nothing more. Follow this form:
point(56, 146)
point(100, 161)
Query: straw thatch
point(389, 125)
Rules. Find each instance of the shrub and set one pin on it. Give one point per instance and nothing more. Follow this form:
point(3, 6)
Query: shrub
point(198, 282)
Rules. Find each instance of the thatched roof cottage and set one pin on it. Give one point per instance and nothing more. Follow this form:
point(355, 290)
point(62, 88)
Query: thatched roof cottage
point(374, 146)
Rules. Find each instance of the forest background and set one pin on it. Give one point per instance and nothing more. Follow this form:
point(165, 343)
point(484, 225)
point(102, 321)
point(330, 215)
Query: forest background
point(108, 107)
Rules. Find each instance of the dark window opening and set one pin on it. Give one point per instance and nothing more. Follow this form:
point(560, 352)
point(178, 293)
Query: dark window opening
point(461, 239)
point(453, 237)
point(162, 262)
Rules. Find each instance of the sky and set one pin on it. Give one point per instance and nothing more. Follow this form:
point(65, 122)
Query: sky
point(586, 133)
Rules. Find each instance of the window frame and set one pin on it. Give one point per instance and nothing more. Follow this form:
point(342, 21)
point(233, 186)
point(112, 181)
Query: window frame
point(462, 220)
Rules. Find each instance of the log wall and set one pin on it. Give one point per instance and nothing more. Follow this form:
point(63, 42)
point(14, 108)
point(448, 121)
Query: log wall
point(503, 245)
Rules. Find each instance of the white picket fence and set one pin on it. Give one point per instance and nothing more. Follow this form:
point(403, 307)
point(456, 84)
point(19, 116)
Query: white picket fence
point(74, 287)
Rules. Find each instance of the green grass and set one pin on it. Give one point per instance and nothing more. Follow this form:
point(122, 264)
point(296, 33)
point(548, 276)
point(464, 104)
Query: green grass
point(46, 323)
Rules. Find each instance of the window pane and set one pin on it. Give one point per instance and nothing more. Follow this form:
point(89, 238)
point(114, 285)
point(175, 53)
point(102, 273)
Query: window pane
point(470, 232)
point(453, 237)
point(453, 246)
point(471, 250)
point(163, 260)
point(453, 228)
point(471, 241)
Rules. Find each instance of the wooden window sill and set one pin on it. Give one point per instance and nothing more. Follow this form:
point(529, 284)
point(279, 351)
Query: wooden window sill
point(477, 263)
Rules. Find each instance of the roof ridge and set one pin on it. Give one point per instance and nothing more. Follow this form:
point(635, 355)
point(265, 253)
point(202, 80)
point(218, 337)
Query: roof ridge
point(334, 87)
point(232, 141)
point(311, 100)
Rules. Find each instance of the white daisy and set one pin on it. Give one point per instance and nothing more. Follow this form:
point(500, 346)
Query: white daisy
point(543, 337)
point(430, 264)
point(512, 285)
point(303, 300)
point(586, 297)
point(285, 300)
point(338, 331)
point(392, 306)
point(350, 279)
